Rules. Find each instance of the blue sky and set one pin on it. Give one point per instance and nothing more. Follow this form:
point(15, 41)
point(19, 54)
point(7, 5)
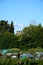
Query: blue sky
point(22, 12)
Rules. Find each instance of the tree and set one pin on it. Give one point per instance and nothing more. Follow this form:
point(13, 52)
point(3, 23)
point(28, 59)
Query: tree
point(12, 27)
point(32, 36)
point(8, 40)
point(4, 26)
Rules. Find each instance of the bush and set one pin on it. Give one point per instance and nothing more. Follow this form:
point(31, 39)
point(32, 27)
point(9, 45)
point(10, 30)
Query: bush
point(12, 61)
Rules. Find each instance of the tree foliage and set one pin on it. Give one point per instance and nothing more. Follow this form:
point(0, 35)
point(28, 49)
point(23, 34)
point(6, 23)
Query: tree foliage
point(32, 36)
point(4, 26)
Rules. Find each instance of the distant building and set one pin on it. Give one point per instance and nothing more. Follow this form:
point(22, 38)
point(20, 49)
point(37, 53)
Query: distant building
point(18, 33)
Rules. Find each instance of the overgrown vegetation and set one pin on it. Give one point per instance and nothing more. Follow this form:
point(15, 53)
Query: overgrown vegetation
point(8, 61)
point(31, 36)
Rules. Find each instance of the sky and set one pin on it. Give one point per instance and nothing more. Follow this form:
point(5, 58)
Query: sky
point(22, 12)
